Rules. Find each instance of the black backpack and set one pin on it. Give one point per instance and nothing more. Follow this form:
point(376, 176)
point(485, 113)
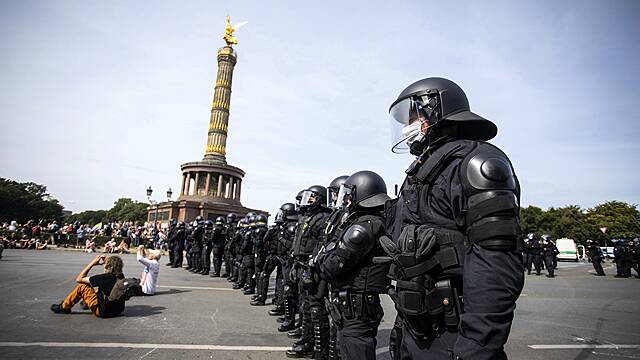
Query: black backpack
point(124, 289)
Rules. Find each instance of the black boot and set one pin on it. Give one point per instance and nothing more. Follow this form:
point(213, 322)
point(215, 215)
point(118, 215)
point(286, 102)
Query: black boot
point(289, 322)
point(277, 311)
point(321, 333)
point(259, 301)
point(295, 333)
point(301, 351)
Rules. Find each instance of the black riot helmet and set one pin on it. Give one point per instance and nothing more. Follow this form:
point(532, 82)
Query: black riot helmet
point(220, 220)
point(208, 224)
point(181, 224)
point(289, 211)
point(286, 212)
point(249, 215)
point(173, 222)
point(424, 111)
point(364, 189)
point(261, 220)
point(334, 188)
point(232, 218)
point(251, 220)
point(299, 198)
point(319, 195)
point(199, 219)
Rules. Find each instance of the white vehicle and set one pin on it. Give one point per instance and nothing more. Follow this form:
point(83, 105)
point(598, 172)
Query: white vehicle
point(568, 249)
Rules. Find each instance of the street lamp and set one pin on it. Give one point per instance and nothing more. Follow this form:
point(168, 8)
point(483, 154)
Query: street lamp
point(155, 203)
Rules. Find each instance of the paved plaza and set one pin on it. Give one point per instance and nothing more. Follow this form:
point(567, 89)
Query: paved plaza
point(574, 316)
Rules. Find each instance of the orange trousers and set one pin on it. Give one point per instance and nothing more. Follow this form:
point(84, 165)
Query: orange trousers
point(85, 293)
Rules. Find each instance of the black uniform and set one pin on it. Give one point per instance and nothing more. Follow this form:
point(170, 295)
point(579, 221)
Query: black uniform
point(178, 237)
point(534, 251)
point(171, 242)
point(622, 259)
point(309, 233)
point(218, 242)
point(290, 286)
point(269, 247)
point(197, 245)
point(455, 226)
point(595, 254)
point(230, 252)
point(188, 244)
point(207, 247)
point(550, 254)
point(356, 282)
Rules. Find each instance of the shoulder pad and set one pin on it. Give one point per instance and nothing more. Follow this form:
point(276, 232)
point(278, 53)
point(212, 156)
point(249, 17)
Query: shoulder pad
point(357, 234)
point(357, 240)
point(488, 168)
point(291, 228)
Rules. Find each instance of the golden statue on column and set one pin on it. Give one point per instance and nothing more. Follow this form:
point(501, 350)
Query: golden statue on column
point(230, 29)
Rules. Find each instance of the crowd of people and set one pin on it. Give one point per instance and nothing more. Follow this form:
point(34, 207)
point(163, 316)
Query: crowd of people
point(128, 234)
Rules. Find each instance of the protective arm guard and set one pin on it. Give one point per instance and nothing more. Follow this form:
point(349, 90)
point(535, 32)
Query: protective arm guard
point(356, 242)
point(492, 272)
point(492, 199)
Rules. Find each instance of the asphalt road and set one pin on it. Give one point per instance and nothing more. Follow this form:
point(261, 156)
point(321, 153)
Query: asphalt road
point(574, 316)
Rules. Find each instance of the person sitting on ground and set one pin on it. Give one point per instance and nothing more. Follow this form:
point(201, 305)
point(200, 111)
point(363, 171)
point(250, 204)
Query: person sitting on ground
point(123, 248)
point(97, 301)
point(42, 245)
point(151, 262)
point(90, 245)
point(110, 246)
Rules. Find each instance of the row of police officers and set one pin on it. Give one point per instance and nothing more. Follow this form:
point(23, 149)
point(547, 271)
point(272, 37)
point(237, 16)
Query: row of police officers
point(447, 249)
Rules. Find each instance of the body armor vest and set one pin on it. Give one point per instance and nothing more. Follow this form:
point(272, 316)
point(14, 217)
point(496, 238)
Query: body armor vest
point(309, 232)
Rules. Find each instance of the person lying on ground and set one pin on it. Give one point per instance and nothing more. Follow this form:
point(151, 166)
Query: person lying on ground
point(97, 301)
point(149, 278)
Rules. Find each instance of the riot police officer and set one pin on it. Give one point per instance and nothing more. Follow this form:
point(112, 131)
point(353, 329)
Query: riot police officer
point(239, 275)
point(348, 264)
point(218, 240)
point(286, 239)
point(257, 239)
point(332, 235)
point(197, 245)
point(246, 255)
point(178, 238)
point(229, 247)
point(621, 258)
point(634, 256)
point(207, 245)
point(550, 254)
point(171, 240)
point(309, 234)
point(271, 263)
point(535, 254)
point(595, 254)
point(454, 226)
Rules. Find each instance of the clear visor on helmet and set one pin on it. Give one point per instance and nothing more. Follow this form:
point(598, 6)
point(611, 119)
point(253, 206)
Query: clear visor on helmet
point(308, 198)
point(332, 197)
point(407, 125)
point(279, 216)
point(345, 196)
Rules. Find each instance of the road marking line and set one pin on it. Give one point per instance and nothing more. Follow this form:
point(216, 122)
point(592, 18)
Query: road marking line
point(583, 346)
point(196, 288)
point(145, 346)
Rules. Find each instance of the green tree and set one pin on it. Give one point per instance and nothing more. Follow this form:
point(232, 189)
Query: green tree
point(622, 220)
point(125, 209)
point(24, 201)
point(90, 217)
point(530, 219)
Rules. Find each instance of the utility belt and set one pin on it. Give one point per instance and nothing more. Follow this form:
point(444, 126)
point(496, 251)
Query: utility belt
point(443, 304)
point(350, 304)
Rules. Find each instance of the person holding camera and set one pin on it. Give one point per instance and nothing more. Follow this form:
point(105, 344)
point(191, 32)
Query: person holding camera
point(97, 301)
point(150, 261)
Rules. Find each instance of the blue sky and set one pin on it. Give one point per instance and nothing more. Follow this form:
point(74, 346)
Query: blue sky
point(102, 99)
